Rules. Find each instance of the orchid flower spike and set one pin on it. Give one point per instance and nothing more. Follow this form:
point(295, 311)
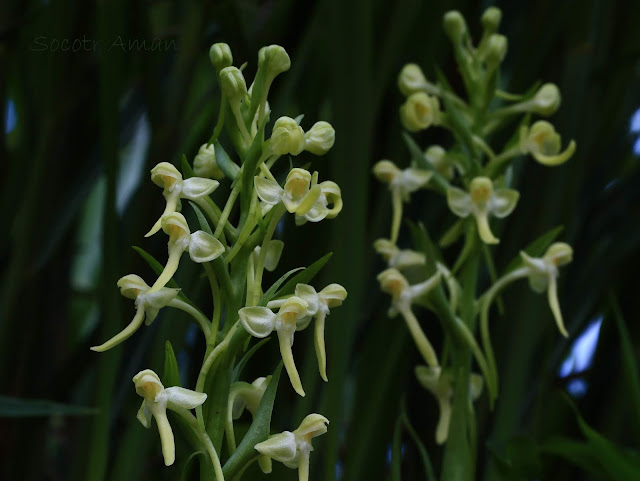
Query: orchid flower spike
point(156, 401)
point(398, 258)
point(202, 247)
point(293, 448)
point(318, 307)
point(420, 111)
point(543, 142)
point(543, 274)
point(328, 204)
point(401, 183)
point(480, 201)
point(438, 383)
point(148, 304)
point(261, 321)
point(402, 296)
point(298, 196)
point(243, 396)
point(165, 175)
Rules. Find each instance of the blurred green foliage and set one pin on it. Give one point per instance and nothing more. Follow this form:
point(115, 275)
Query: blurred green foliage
point(84, 127)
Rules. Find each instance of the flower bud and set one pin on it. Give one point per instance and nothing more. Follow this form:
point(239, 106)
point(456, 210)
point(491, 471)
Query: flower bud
point(287, 137)
point(232, 83)
point(419, 111)
point(274, 59)
point(455, 26)
point(411, 79)
point(496, 51)
point(220, 56)
point(320, 138)
point(205, 165)
point(546, 100)
point(437, 157)
point(491, 19)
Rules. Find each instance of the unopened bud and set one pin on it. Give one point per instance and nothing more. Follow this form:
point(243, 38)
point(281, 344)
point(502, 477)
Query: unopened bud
point(496, 51)
point(455, 26)
point(232, 83)
point(419, 111)
point(274, 59)
point(320, 138)
point(220, 56)
point(205, 165)
point(491, 19)
point(411, 79)
point(546, 100)
point(287, 137)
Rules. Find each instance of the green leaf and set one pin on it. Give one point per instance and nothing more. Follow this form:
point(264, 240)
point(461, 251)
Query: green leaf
point(184, 475)
point(11, 407)
point(304, 277)
point(171, 376)
point(424, 456)
point(237, 371)
point(396, 452)
point(187, 171)
point(249, 165)
point(267, 296)
point(578, 453)
point(258, 432)
point(535, 248)
point(204, 225)
point(228, 167)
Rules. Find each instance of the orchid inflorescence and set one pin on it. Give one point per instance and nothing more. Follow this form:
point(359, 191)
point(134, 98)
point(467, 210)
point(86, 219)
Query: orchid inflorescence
point(235, 245)
point(476, 182)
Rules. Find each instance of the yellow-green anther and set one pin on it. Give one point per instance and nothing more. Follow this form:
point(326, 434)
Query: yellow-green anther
point(148, 304)
point(165, 175)
point(439, 384)
point(220, 56)
point(455, 26)
point(437, 157)
point(202, 247)
point(546, 100)
point(396, 257)
point(205, 165)
point(481, 201)
point(287, 137)
point(275, 60)
point(412, 80)
point(294, 448)
point(320, 138)
point(543, 142)
point(543, 275)
point(420, 111)
point(403, 295)
point(401, 183)
point(157, 400)
point(261, 322)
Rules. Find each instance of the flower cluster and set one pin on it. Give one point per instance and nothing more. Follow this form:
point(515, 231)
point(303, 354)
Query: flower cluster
point(235, 246)
point(475, 182)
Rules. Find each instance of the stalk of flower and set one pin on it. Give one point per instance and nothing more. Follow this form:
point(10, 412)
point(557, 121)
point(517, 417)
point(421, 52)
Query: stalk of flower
point(202, 247)
point(243, 396)
point(401, 183)
point(481, 201)
point(148, 304)
point(293, 449)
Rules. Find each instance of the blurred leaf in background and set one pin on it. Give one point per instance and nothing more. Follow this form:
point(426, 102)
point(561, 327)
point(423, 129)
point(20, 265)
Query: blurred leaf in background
point(82, 122)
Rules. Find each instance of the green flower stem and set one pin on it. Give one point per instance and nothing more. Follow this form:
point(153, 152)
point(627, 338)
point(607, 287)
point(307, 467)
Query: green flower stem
point(227, 210)
point(422, 343)
point(246, 137)
point(206, 366)
point(501, 160)
point(279, 211)
point(396, 200)
point(217, 301)
point(202, 321)
point(215, 215)
point(249, 224)
point(220, 124)
point(204, 439)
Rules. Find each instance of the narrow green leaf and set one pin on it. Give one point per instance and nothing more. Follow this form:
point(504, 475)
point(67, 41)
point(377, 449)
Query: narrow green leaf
point(237, 371)
point(11, 407)
point(204, 225)
point(424, 456)
point(267, 296)
point(258, 432)
point(396, 452)
point(228, 167)
point(187, 171)
point(184, 475)
point(171, 376)
point(535, 248)
point(304, 277)
point(249, 165)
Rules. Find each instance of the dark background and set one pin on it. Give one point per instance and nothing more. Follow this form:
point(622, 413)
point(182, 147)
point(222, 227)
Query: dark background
point(84, 127)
